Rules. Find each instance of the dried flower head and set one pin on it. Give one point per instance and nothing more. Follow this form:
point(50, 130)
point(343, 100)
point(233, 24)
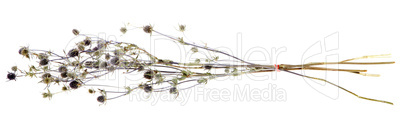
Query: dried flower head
point(76, 32)
point(44, 62)
point(14, 68)
point(47, 80)
point(64, 88)
point(208, 67)
point(101, 99)
point(194, 49)
point(173, 90)
point(87, 41)
point(46, 95)
point(11, 76)
point(74, 84)
point(95, 49)
point(73, 52)
point(63, 74)
point(103, 65)
point(43, 56)
point(111, 68)
point(115, 61)
point(148, 88)
point(71, 75)
point(140, 68)
point(24, 51)
point(81, 47)
point(149, 74)
point(62, 69)
point(46, 75)
point(148, 29)
point(123, 30)
point(107, 56)
point(182, 28)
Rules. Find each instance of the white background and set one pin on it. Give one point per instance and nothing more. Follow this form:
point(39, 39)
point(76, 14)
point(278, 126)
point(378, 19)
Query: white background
point(365, 28)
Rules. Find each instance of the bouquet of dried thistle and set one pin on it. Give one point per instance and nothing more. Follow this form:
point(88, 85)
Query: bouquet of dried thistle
point(94, 57)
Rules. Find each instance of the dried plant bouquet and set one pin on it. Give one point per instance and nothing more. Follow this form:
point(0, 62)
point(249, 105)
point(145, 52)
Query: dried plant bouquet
point(94, 57)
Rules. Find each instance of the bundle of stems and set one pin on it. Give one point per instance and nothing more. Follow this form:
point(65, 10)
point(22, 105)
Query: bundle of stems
point(94, 57)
